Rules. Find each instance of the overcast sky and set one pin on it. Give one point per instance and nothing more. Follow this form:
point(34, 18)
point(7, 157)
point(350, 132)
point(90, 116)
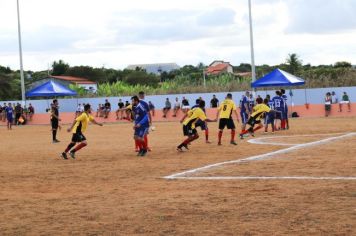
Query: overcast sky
point(115, 33)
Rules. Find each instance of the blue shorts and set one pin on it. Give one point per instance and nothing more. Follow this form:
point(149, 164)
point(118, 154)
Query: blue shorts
point(270, 116)
point(10, 119)
point(244, 117)
point(201, 124)
point(141, 131)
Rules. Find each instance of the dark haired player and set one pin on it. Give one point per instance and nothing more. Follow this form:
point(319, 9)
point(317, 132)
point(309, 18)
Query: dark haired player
point(55, 120)
point(189, 123)
point(78, 127)
point(225, 114)
point(141, 96)
point(202, 124)
point(142, 125)
point(279, 107)
point(285, 121)
point(258, 111)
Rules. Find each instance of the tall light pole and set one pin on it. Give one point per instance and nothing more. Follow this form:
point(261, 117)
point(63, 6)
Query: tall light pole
point(251, 44)
point(20, 51)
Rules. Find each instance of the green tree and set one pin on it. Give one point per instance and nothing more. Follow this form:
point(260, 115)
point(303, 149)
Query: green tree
point(59, 68)
point(5, 86)
point(342, 64)
point(294, 64)
point(141, 78)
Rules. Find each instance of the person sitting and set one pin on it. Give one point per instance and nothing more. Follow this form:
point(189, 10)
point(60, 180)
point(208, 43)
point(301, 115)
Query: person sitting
point(176, 107)
point(166, 108)
point(79, 110)
point(99, 110)
point(345, 100)
point(107, 108)
point(120, 110)
point(185, 105)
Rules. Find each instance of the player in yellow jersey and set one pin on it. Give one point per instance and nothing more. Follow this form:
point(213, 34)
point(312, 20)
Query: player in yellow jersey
point(189, 121)
point(78, 127)
point(225, 110)
point(257, 114)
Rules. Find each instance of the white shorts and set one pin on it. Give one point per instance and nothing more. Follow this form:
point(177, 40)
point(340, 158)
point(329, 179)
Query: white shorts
point(344, 102)
point(185, 107)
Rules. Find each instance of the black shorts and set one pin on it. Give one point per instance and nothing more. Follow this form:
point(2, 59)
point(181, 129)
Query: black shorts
point(252, 121)
point(229, 123)
point(78, 137)
point(54, 124)
point(278, 115)
point(188, 130)
point(327, 107)
point(201, 124)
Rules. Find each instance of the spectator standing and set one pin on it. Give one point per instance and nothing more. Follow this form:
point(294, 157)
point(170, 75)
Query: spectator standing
point(334, 98)
point(55, 120)
point(251, 102)
point(166, 108)
point(328, 101)
point(185, 105)
point(176, 107)
point(152, 108)
point(18, 113)
point(214, 102)
point(31, 111)
point(1, 112)
point(9, 116)
point(107, 108)
point(345, 100)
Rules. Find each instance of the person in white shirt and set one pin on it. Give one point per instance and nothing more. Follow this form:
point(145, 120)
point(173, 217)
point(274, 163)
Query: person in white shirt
point(334, 98)
point(176, 107)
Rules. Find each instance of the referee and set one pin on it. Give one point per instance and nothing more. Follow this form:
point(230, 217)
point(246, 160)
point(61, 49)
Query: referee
point(54, 120)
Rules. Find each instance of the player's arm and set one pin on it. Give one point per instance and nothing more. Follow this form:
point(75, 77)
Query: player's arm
point(92, 120)
point(145, 119)
point(55, 116)
point(183, 118)
point(218, 112)
point(71, 127)
point(237, 116)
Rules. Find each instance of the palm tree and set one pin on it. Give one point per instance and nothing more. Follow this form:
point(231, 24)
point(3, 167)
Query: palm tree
point(294, 63)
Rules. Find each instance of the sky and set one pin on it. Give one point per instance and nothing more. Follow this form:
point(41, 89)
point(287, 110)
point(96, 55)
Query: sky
point(116, 33)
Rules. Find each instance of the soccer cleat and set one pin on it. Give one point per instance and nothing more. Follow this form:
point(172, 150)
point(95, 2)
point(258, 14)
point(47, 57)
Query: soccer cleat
point(64, 156)
point(186, 146)
point(233, 143)
point(207, 141)
point(179, 149)
point(143, 152)
point(139, 152)
point(72, 154)
point(55, 141)
point(219, 143)
point(241, 136)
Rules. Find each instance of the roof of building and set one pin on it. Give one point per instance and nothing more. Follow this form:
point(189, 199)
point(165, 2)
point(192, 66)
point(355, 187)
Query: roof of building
point(217, 69)
point(75, 80)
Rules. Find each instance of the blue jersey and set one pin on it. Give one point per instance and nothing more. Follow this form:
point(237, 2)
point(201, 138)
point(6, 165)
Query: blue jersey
point(9, 111)
point(271, 104)
point(141, 115)
point(278, 103)
point(285, 98)
point(145, 105)
point(244, 102)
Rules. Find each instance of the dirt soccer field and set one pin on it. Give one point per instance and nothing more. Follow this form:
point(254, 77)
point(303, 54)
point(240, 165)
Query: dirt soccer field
point(302, 184)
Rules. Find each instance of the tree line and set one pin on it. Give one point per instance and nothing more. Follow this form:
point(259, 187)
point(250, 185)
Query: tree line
point(188, 78)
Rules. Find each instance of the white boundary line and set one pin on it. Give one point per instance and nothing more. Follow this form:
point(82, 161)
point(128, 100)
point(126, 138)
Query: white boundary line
point(183, 175)
point(268, 178)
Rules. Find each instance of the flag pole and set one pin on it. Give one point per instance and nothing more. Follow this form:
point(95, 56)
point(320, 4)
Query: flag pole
point(253, 67)
point(20, 52)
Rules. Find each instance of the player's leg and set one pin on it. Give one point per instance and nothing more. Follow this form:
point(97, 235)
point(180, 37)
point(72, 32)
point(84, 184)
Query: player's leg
point(139, 135)
point(349, 106)
point(222, 124)
point(231, 126)
point(191, 134)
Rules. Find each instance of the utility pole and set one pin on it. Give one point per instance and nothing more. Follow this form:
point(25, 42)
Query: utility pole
point(251, 44)
point(20, 51)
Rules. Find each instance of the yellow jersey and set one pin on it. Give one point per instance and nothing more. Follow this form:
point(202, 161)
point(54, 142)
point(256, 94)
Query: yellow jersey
point(193, 116)
point(81, 123)
point(259, 110)
point(226, 108)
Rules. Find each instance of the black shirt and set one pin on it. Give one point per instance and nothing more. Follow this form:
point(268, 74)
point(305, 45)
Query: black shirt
point(214, 102)
point(121, 105)
point(107, 105)
point(185, 102)
point(56, 112)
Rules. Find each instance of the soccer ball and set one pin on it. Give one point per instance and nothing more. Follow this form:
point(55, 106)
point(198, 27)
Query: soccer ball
point(153, 128)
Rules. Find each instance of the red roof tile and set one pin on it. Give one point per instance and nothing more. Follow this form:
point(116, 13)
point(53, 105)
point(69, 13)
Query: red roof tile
point(217, 69)
point(76, 80)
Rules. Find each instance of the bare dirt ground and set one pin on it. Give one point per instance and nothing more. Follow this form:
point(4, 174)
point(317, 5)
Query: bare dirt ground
point(107, 190)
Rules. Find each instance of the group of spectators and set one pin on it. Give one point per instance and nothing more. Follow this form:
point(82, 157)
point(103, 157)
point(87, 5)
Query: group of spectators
point(332, 98)
point(15, 114)
point(184, 105)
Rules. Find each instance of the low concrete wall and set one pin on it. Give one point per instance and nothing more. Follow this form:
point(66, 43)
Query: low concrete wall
point(313, 110)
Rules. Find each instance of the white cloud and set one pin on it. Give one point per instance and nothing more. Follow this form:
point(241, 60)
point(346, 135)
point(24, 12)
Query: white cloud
point(116, 33)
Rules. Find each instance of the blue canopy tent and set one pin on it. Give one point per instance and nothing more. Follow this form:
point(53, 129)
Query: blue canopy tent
point(50, 89)
point(279, 78)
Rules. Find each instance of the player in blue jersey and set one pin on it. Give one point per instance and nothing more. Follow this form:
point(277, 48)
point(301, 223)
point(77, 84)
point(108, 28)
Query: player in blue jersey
point(141, 124)
point(278, 104)
point(141, 96)
point(285, 121)
point(244, 110)
point(9, 115)
point(269, 116)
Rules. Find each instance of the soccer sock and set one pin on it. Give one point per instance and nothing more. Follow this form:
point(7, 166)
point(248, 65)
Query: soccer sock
point(257, 128)
point(220, 135)
point(144, 144)
point(54, 134)
point(245, 131)
point(69, 147)
point(283, 124)
point(146, 140)
point(137, 145)
point(79, 146)
point(232, 135)
point(206, 135)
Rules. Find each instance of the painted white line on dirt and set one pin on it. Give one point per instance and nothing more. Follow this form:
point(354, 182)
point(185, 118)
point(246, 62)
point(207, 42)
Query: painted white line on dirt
point(268, 178)
point(259, 157)
point(263, 141)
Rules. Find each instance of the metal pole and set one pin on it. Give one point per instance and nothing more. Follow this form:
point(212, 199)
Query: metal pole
point(20, 51)
point(251, 44)
point(204, 78)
